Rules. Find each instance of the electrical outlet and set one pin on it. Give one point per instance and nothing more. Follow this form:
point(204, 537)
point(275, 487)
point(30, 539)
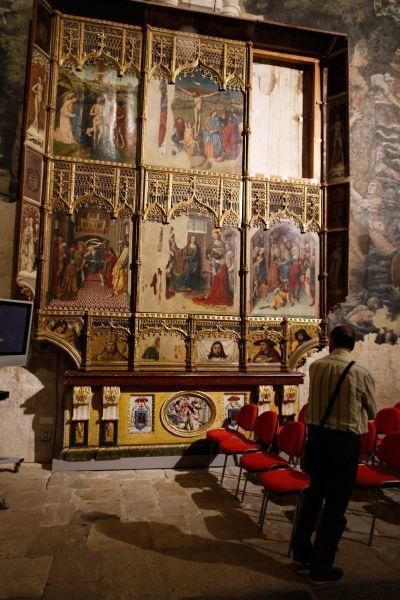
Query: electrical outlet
point(45, 435)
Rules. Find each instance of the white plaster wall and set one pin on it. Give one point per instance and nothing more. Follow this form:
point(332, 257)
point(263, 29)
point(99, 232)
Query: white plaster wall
point(16, 424)
point(382, 360)
point(34, 407)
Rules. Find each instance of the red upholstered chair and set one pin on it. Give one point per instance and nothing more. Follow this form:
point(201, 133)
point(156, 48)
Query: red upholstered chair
point(378, 477)
point(263, 431)
point(387, 420)
point(245, 420)
point(282, 482)
point(290, 441)
point(367, 442)
point(301, 417)
point(397, 406)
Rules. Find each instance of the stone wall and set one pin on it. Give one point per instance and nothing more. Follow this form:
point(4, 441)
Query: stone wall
point(373, 305)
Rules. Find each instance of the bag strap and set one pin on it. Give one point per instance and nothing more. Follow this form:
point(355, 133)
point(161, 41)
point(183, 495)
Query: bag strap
point(335, 393)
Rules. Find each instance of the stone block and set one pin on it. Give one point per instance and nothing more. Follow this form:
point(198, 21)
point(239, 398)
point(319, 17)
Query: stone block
point(112, 534)
point(133, 511)
point(76, 566)
point(83, 590)
point(22, 484)
point(14, 548)
point(58, 514)
point(56, 539)
point(149, 474)
point(132, 574)
point(15, 525)
point(24, 577)
point(27, 501)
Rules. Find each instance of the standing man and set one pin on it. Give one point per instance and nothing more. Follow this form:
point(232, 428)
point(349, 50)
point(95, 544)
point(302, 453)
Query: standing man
point(334, 452)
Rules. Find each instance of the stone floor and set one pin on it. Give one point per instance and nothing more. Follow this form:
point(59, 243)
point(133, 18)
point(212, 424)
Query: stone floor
point(166, 535)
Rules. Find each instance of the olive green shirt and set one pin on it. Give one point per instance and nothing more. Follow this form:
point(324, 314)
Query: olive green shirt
point(354, 404)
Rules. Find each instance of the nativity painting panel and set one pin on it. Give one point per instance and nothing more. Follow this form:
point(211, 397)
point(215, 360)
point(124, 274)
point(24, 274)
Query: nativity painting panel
point(283, 265)
point(195, 126)
point(193, 267)
point(90, 259)
point(96, 114)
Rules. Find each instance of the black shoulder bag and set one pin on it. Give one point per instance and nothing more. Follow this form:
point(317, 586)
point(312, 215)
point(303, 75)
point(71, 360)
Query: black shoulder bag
point(309, 447)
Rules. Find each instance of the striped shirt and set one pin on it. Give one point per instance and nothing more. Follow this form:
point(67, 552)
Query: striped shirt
point(355, 403)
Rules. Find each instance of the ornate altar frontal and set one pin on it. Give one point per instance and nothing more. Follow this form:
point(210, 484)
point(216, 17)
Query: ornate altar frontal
point(173, 223)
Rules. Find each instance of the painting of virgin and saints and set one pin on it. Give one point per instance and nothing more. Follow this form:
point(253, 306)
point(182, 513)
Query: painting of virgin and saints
point(199, 126)
point(90, 261)
point(193, 267)
point(96, 115)
point(283, 272)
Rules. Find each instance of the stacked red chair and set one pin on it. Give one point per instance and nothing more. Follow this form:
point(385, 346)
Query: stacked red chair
point(387, 421)
point(264, 432)
point(301, 417)
point(290, 442)
point(245, 420)
point(282, 482)
point(384, 475)
point(367, 443)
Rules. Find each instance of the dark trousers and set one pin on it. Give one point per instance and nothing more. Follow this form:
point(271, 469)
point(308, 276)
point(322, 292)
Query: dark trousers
point(333, 468)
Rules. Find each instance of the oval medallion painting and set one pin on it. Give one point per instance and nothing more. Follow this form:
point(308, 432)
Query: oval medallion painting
point(188, 414)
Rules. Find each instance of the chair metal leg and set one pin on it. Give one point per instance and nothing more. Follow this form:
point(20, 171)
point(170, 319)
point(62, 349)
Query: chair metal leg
point(263, 510)
point(299, 504)
point(245, 486)
point(371, 532)
point(238, 482)
point(223, 470)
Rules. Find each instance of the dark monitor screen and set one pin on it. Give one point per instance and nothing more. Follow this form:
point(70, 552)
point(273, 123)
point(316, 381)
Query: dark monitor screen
point(15, 327)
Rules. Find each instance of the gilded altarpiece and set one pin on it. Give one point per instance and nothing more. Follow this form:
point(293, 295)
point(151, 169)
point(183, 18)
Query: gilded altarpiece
point(159, 253)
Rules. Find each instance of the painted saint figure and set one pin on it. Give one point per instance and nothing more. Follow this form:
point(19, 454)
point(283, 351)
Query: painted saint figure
point(110, 350)
point(220, 292)
point(120, 272)
point(197, 97)
point(64, 133)
point(191, 279)
point(37, 90)
point(153, 352)
point(97, 128)
point(212, 136)
point(27, 257)
point(217, 351)
point(266, 352)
